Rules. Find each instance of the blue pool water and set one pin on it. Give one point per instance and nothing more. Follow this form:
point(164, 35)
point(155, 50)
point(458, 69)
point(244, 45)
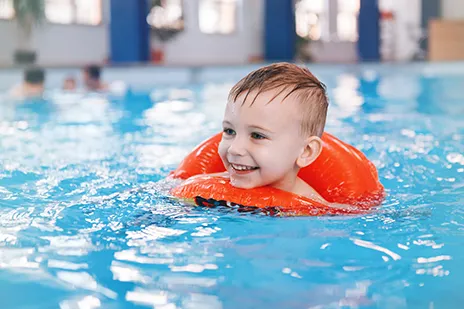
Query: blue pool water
point(85, 224)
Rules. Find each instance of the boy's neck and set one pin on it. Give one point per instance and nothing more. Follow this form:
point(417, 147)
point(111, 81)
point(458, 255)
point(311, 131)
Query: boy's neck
point(289, 183)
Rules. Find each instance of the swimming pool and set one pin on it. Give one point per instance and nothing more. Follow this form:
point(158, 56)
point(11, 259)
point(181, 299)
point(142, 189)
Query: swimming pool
point(84, 224)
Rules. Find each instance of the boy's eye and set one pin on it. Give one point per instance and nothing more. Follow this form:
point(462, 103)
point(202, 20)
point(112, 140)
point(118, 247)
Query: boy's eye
point(228, 131)
point(255, 135)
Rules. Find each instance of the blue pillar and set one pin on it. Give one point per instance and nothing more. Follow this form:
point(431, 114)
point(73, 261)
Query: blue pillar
point(279, 30)
point(129, 31)
point(369, 31)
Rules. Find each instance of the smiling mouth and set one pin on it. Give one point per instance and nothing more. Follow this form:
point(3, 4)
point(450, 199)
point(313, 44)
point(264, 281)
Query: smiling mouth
point(243, 169)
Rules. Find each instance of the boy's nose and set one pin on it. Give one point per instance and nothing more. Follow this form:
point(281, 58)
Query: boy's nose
point(237, 147)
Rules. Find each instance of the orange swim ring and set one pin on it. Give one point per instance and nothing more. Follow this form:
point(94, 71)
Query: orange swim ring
point(341, 174)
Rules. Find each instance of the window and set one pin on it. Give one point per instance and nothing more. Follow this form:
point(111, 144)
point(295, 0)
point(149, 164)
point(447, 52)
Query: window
point(59, 11)
point(6, 9)
point(347, 20)
point(311, 19)
point(218, 16)
point(168, 14)
point(88, 12)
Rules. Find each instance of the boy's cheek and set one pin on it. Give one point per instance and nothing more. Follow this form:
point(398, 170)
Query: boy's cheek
point(222, 148)
point(222, 151)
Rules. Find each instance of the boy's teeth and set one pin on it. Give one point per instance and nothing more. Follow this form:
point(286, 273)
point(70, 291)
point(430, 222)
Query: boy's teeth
point(242, 167)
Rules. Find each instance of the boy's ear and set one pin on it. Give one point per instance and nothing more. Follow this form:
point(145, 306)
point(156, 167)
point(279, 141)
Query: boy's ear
point(311, 151)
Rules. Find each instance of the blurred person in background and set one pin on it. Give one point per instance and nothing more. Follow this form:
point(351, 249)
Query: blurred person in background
point(32, 85)
point(69, 84)
point(92, 80)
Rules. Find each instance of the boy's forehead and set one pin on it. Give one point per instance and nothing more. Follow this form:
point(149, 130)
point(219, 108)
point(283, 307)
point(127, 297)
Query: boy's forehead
point(264, 109)
point(273, 99)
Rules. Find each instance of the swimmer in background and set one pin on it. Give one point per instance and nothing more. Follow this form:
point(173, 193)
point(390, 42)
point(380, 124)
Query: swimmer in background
point(69, 84)
point(92, 79)
point(32, 85)
point(272, 128)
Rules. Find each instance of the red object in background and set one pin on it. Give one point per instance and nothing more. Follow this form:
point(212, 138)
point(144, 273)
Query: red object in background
point(157, 55)
point(385, 15)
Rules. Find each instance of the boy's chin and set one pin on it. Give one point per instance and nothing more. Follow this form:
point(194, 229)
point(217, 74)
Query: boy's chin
point(241, 185)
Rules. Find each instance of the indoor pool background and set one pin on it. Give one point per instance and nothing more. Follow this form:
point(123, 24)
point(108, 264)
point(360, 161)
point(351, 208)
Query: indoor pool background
point(83, 223)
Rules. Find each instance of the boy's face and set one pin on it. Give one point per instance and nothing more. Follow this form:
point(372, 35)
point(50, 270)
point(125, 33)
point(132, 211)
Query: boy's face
point(261, 143)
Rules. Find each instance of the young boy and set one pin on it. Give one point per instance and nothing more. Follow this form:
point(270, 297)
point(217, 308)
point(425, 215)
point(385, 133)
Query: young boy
point(272, 128)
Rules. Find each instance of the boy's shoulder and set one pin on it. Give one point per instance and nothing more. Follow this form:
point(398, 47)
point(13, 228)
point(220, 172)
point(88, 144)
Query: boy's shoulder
point(303, 189)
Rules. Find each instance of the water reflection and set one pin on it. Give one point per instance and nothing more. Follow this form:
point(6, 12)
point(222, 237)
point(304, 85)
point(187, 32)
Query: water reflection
point(83, 280)
point(153, 298)
point(88, 302)
point(82, 210)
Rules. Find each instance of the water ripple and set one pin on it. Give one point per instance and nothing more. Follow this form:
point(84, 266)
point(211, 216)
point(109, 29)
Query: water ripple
point(85, 220)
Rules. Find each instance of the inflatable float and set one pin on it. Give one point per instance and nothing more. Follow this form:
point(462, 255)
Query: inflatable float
point(341, 175)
